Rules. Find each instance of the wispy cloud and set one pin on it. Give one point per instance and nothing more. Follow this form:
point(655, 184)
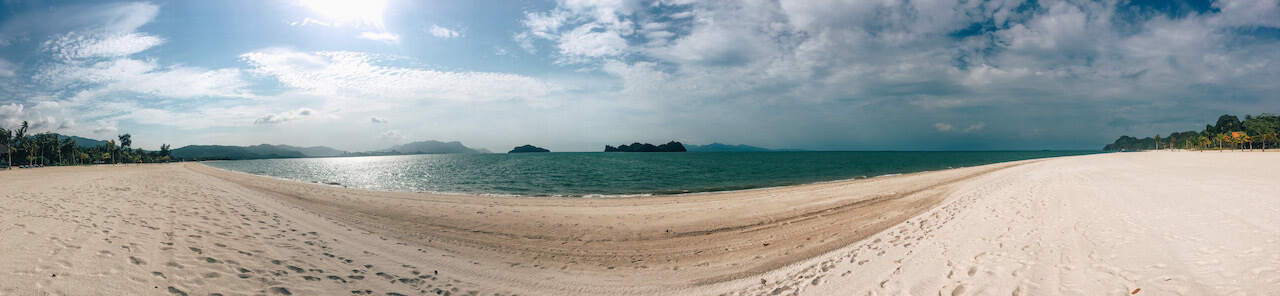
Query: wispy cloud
point(106, 127)
point(377, 120)
point(394, 135)
point(8, 69)
point(947, 127)
point(285, 116)
point(360, 75)
point(381, 37)
point(82, 45)
point(442, 32)
point(943, 127)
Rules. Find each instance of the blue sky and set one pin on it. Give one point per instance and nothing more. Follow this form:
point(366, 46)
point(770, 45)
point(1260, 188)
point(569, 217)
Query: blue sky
point(575, 75)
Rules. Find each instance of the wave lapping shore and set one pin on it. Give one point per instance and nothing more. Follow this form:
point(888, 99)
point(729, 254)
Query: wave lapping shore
point(1158, 222)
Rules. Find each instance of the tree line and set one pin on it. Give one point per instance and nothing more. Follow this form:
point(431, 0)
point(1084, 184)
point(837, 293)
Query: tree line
point(1228, 133)
point(49, 149)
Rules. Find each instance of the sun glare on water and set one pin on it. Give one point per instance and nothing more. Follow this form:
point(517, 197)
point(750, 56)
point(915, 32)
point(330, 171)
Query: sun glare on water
point(349, 12)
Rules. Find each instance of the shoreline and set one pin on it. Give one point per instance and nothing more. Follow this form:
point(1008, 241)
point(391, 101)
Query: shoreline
point(997, 227)
point(585, 237)
point(649, 194)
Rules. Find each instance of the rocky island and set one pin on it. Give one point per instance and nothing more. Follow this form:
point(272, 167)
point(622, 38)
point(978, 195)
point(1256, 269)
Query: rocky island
point(528, 149)
point(672, 146)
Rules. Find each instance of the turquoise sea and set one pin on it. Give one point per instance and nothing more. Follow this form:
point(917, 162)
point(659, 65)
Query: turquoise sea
point(612, 174)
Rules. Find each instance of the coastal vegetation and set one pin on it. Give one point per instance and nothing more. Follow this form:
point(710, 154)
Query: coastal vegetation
point(20, 148)
point(672, 146)
point(1255, 132)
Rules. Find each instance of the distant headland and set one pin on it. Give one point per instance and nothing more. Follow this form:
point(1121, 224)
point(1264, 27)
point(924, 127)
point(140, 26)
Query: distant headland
point(1228, 133)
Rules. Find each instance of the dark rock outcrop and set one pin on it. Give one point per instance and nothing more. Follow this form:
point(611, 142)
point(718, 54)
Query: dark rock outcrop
point(672, 146)
point(528, 149)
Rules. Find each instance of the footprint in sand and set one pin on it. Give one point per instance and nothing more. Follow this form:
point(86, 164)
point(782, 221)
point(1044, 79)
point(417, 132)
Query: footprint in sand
point(959, 290)
point(137, 261)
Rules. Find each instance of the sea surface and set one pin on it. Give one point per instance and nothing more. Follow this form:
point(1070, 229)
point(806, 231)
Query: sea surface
point(595, 174)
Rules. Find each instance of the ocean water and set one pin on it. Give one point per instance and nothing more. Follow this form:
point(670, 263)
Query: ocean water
point(612, 174)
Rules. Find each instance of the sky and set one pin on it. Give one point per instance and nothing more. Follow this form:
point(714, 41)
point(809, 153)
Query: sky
point(575, 75)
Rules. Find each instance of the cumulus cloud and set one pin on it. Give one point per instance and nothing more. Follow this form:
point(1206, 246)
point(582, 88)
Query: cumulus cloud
point(380, 37)
point(360, 75)
point(273, 118)
point(582, 29)
point(586, 41)
point(11, 115)
point(981, 57)
point(442, 32)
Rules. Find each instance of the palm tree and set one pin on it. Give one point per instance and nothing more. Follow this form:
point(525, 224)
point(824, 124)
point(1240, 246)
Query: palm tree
point(68, 149)
point(111, 148)
point(1268, 138)
point(1157, 141)
point(1204, 142)
point(16, 140)
point(5, 136)
point(1245, 138)
point(31, 146)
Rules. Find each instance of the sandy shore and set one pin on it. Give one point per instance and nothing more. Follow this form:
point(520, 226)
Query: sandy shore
point(1190, 223)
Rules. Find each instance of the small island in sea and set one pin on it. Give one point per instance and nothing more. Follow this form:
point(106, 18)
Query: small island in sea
point(528, 149)
point(672, 146)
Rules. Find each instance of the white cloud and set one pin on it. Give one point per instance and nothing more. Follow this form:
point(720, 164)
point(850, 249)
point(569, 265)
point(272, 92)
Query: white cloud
point(285, 116)
point(377, 120)
point(1248, 13)
point(943, 127)
point(442, 32)
point(586, 41)
point(975, 127)
point(11, 115)
point(394, 135)
point(358, 75)
point(947, 127)
point(106, 127)
point(207, 117)
point(146, 77)
point(80, 45)
point(8, 69)
point(95, 61)
point(595, 28)
point(380, 37)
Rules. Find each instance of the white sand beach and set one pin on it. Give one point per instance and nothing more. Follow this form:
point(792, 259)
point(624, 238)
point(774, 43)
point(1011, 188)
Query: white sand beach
point(1151, 223)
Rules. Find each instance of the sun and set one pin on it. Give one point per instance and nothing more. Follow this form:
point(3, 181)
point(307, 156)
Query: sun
point(349, 12)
